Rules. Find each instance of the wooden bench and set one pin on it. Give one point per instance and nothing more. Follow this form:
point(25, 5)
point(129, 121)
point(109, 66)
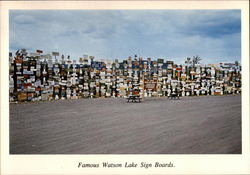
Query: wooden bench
point(134, 98)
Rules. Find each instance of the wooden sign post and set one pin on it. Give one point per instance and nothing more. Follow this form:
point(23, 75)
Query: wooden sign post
point(55, 54)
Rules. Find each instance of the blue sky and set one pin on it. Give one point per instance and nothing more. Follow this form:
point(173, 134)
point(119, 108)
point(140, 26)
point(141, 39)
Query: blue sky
point(214, 35)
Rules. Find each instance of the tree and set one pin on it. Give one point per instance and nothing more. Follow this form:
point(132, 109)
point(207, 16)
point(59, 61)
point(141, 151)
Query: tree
point(193, 61)
point(196, 60)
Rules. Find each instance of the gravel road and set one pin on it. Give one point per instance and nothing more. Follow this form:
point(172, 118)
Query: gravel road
point(191, 125)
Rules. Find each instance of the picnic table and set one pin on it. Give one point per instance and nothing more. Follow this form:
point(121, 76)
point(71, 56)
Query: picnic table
point(134, 98)
point(174, 96)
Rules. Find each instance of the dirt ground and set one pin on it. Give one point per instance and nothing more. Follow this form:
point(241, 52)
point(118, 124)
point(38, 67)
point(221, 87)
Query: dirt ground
point(191, 125)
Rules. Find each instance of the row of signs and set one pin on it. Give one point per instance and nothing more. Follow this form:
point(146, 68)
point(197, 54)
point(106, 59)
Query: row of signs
point(36, 78)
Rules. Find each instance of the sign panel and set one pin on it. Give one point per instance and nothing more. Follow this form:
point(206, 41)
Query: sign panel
point(23, 51)
point(47, 56)
point(170, 62)
point(55, 53)
point(178, 68)
point(159, 60)
point(39, 51)
point(150, 84)
point(28, 72)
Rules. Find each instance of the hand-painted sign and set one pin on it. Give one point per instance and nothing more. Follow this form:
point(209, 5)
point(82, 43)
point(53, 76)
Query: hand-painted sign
point(55, 53)
point(150, 84)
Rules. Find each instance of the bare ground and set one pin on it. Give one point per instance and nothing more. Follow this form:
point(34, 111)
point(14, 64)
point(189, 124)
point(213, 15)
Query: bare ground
point(191, 125)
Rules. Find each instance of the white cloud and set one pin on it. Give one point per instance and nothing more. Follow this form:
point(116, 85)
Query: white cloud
point(118, 34)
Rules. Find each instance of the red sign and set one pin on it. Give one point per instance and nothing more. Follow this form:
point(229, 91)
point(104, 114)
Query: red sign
point(18, 60)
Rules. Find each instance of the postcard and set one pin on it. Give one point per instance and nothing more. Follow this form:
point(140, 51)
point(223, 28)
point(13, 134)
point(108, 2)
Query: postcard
point(125, 87)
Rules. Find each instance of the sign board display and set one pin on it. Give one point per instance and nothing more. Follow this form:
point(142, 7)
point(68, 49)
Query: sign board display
point(91, 57)
point(150, 84)
point(159, 60)
point(28, 72)
point(23, 51)
point(47, 56)
point(39, 51)
point(169, 71)
point(170, 62)
point(55, 53)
